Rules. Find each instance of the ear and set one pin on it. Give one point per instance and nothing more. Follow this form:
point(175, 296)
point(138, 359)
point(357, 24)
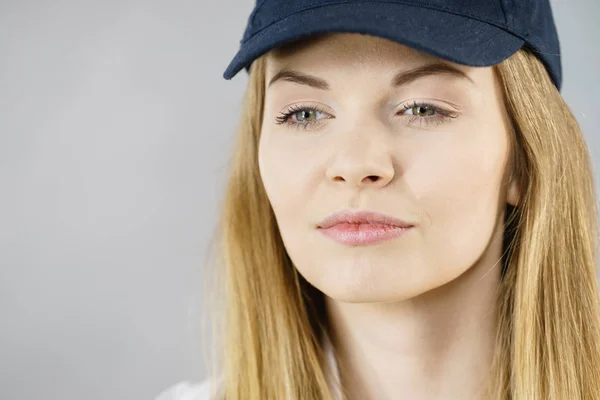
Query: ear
point(513, 194)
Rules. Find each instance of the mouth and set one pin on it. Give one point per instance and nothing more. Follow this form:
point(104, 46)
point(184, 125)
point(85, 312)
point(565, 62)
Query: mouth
point(360, 228)
point(363, 234)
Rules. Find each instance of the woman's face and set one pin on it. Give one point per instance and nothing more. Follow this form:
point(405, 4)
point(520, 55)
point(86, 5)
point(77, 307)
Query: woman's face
point(428, 148)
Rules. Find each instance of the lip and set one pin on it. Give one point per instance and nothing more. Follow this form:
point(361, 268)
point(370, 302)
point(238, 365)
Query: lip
point(353, 227)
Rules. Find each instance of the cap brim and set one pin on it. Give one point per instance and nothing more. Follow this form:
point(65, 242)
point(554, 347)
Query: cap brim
point(455, 38)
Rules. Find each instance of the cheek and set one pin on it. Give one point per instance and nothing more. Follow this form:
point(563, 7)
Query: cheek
point(457, 189)
point(287, 171)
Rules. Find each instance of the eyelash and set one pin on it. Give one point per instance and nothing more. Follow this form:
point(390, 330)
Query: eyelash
point(445, 115)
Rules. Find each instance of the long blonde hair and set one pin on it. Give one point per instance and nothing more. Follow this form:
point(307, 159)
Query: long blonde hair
point(268, 321)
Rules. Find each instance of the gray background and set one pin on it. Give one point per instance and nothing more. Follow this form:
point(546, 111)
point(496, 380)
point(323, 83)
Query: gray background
point(115, 127)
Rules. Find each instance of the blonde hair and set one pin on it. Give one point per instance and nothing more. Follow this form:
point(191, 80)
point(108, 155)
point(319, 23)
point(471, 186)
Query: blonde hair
point(268, 321)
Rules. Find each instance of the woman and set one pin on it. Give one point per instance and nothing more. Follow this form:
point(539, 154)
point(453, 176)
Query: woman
point(408, 215)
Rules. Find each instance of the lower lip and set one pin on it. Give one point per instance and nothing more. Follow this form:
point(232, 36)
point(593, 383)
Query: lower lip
point(363, 234)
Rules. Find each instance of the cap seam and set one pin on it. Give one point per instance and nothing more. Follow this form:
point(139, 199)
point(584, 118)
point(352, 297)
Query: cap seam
point(259, 5)
point(442, 9)
point(504, 8)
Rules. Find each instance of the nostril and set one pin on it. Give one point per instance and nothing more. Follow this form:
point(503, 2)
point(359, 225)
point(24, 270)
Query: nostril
point(372, 178)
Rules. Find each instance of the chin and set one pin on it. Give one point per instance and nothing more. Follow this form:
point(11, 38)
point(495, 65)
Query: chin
point(368, 294)
point(364, 298)
point(356, 282)
point(364, 289)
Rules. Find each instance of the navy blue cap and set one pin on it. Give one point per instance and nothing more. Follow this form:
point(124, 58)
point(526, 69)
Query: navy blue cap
point(469, 32)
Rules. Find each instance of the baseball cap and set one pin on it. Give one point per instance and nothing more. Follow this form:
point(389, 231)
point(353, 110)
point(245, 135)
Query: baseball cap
point(469, 32)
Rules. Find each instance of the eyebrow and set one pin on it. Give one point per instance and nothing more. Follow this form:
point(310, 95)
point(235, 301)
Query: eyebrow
point(401, 78)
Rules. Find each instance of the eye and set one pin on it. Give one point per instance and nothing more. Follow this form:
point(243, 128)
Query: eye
point(426, 113)
point(299, 116)
point(422, 113)
point(422, 110)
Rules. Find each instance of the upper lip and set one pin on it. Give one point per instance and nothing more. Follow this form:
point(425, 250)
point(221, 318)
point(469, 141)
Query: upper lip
point(361, 217)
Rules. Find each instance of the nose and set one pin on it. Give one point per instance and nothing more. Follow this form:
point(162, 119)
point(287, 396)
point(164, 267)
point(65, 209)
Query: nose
point(362, 160)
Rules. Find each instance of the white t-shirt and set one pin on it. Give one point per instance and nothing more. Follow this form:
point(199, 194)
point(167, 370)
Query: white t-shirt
point(188, 391)
point(206, 389)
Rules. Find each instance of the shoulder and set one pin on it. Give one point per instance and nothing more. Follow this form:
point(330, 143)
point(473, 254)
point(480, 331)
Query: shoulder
point(188, 391)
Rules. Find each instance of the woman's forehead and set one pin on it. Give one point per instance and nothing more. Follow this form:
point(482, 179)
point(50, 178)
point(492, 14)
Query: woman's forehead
point(334, 62)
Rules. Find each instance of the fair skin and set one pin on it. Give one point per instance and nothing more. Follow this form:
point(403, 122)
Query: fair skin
point(412, 317)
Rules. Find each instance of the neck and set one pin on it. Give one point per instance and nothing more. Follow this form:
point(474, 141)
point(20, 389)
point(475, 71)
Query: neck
point(438, 345)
